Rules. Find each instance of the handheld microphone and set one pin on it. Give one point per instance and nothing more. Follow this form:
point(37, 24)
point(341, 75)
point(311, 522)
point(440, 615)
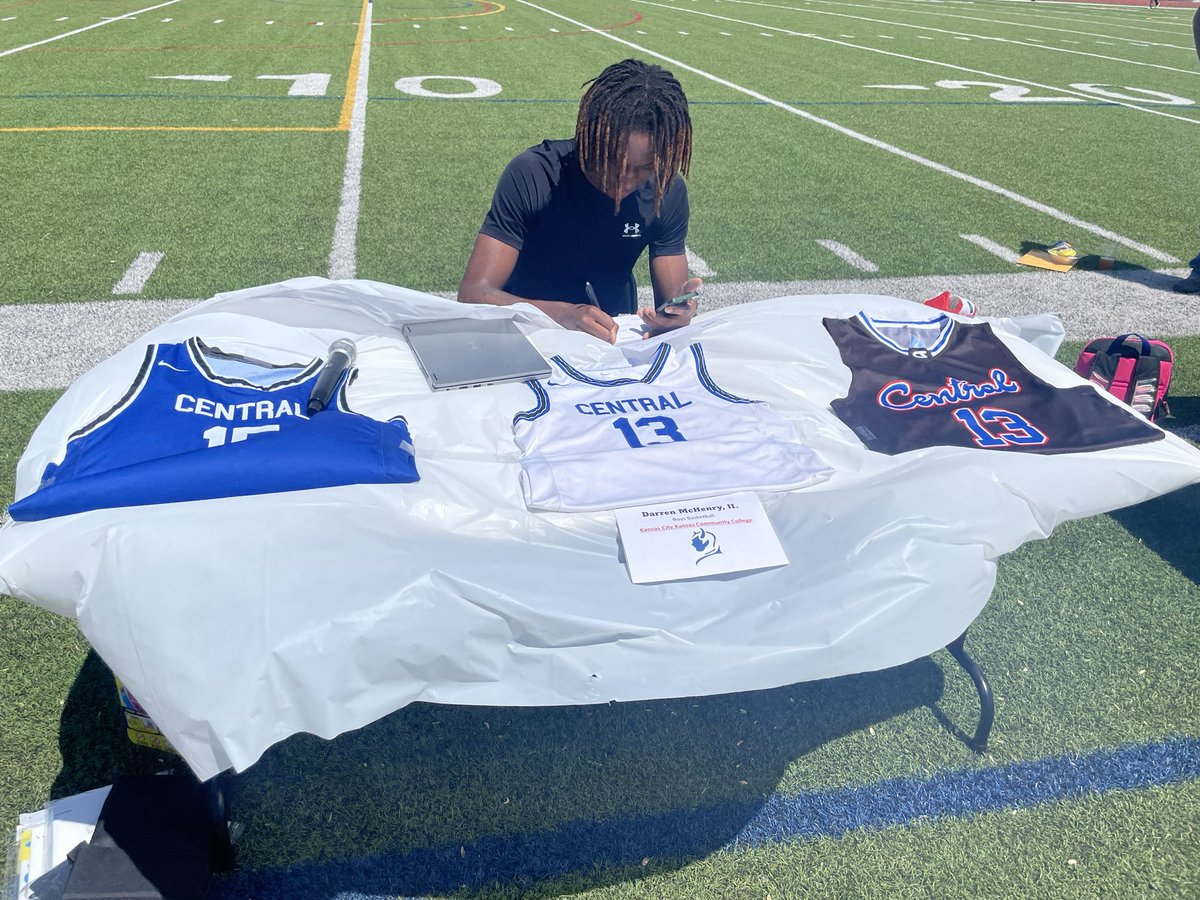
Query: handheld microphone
point(341, 357)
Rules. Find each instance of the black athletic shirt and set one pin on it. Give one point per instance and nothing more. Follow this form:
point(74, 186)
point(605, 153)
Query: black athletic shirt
point(567, 234)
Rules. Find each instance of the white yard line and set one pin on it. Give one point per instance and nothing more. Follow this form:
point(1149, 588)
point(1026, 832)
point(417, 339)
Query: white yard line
point(342, 258)
point(919, 59)
point(67, 34)
point(946, 15)
point(138, 273)
point(991, 247)
point(696, 265)
point(866, 139)
point(844, 253)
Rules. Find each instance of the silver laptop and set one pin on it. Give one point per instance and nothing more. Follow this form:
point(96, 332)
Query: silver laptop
point(463, 353)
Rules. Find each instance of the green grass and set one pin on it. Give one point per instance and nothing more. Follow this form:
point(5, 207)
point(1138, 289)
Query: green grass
point(230, 210)
point(254, 224)
point(1118, 845)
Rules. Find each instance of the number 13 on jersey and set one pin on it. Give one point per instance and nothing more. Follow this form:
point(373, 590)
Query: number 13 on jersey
point(640, 432)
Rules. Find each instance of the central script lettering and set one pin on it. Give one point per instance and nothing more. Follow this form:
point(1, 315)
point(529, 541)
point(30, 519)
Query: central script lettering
point(252, 411)
point(899, 395)
point(632, 405)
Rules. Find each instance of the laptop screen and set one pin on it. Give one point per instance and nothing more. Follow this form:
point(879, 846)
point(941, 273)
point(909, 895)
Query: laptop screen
point(467, 352)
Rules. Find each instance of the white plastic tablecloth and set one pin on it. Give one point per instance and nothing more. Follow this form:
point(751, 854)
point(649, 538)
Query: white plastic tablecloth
point(240, 621)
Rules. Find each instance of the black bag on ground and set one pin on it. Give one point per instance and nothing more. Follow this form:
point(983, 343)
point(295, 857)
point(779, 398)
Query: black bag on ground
point(153, 841)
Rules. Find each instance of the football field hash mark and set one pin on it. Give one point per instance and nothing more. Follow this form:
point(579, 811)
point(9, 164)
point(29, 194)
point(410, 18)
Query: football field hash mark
point(696, 265)
point(848, 256)
point(991, 247)
point(138, 273)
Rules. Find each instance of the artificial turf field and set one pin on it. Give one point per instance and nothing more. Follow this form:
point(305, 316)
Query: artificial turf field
point(228, 144)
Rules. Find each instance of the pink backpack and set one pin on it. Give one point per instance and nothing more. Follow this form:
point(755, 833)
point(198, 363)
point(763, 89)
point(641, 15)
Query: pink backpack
point(1134, 369)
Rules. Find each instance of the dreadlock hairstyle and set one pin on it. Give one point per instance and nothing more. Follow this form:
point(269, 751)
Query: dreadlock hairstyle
point(633, 96)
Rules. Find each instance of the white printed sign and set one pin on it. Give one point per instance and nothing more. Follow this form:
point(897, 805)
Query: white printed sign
point(697, 538)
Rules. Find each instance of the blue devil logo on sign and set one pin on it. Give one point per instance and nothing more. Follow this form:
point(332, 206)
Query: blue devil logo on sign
point(705, 544)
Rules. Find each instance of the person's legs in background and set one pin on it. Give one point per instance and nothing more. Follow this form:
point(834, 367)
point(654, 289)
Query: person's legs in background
point(1191, 284)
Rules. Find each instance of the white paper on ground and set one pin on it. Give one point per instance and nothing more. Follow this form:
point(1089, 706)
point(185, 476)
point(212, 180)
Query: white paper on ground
point(44, 838)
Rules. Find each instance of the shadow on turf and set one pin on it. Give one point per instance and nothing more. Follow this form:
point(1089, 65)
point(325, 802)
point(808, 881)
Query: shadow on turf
point(92, 739)
point(1118, 269)
point(436, 799)
point(1124, 271)
point(1167, 525)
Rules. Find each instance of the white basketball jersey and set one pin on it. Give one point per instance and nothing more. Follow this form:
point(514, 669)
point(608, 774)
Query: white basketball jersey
point(652, 432)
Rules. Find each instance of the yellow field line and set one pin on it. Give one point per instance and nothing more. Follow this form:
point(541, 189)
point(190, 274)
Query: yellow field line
point(171, 128)
point(343, 123)
point(492, 8)
point(352, 78)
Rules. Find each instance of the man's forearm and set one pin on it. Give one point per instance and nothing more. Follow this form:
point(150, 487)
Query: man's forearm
point(556, 309)
point(488, 294)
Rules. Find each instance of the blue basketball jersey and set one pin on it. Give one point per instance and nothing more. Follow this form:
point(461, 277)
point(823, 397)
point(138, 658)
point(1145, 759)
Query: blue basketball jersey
point(197, 424)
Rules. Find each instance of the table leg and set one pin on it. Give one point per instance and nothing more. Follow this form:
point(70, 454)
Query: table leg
point(222, 845)
point(987, 707)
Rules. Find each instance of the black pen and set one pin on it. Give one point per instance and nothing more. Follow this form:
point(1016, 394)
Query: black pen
point(591, 293)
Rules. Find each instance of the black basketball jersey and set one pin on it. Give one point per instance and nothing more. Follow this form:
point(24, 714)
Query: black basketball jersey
point(940, 382)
